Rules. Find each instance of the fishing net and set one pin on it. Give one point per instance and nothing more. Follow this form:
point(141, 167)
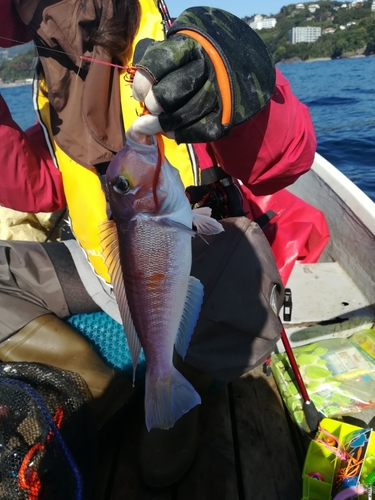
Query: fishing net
point(47, 445)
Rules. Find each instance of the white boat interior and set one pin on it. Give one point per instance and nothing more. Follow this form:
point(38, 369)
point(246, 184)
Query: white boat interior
point(335, 296)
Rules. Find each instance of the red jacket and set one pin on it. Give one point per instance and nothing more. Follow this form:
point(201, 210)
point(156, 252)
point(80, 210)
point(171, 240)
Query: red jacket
point(266, 153)
point(12, 29)
point(29, 179)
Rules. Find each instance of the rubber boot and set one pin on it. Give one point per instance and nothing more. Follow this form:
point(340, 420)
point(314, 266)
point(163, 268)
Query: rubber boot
point(49, 340)
point(166, 455)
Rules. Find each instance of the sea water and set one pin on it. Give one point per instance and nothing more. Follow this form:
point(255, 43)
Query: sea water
point(340, 95)
point(20, 102)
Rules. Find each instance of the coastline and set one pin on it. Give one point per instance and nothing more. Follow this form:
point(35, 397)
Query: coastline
point(15, 84)
point(319, 59)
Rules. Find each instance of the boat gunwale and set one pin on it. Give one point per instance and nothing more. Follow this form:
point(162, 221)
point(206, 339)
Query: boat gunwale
point(353, 197)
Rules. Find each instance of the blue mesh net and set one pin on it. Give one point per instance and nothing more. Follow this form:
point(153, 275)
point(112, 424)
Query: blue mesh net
point(109, 340)
point(48, 445)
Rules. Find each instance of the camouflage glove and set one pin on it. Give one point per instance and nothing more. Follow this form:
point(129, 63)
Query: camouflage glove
point(213, 72)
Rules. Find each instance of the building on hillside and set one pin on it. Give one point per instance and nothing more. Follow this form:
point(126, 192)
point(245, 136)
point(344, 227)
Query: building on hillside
point(329, 30)
point(4, 54)
point(373, 6)
point(300, 6)
point(307, 34)
point(313, 7)
point(264, 23)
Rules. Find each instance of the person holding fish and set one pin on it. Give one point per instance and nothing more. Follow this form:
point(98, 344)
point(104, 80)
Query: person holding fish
point(131, 109)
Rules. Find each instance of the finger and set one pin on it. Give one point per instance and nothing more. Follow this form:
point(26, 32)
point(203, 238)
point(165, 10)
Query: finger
point(162, 58)
point(142, 84)
point(170, 135)
point(208, 129)
point(180, 86)
point(152, 104)
point(142, 91)
point(147, 124)
point(202, 104)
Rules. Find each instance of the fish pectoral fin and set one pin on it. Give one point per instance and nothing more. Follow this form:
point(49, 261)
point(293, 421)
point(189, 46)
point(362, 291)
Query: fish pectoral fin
point(167, 399)
point(204, 223)
point(170, 223)
point(110, 251)
point(190, 314)
point(203, 211)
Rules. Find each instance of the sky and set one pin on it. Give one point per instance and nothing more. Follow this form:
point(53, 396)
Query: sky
point(240, 8)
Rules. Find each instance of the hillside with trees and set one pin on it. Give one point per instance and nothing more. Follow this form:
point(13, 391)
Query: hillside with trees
point(345, 40)
point(20, 68)
point(352, 33)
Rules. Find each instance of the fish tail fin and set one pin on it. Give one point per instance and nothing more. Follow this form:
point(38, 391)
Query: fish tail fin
point(167, 399)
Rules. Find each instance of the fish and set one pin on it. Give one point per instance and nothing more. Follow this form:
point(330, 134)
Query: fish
point(148, 252)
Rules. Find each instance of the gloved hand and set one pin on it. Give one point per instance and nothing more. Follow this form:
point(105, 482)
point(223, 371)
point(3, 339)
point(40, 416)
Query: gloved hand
point(213, 72)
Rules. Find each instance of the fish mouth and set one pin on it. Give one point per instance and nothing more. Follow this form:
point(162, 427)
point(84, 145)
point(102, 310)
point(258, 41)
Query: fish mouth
point(140, 138)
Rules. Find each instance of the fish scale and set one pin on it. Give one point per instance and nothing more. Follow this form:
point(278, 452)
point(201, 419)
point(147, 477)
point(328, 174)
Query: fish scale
point(156, 310)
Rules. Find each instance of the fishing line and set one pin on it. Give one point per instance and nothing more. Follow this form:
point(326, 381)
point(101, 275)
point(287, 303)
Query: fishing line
point(130, 71)
point(39, 46)
point(92, 59)
point(160, 160)
point(83, 58)
point(167, 22)
point(79, 69)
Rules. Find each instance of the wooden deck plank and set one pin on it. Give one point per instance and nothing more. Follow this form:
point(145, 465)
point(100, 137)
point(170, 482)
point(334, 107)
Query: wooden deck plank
point(268, 459)
point(126, 482)
point(213, 472)
point(261, 464)
point(108, 449)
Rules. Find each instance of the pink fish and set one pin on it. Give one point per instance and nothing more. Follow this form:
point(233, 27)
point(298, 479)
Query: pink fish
point(149, 260)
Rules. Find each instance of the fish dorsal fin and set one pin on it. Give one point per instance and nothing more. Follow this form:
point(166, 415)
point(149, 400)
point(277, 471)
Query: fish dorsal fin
point(190, 315)
point(204, 223)
point(111, 254)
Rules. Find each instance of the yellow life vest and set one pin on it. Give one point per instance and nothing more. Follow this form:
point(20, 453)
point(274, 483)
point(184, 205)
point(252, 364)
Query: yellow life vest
point(85, 198)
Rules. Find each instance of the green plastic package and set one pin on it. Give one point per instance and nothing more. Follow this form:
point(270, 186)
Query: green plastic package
point(339, 375)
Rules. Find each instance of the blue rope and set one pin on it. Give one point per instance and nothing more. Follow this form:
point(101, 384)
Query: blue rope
point(55, 430)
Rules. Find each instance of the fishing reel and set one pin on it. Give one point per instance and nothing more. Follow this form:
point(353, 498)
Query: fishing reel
point(217, 191)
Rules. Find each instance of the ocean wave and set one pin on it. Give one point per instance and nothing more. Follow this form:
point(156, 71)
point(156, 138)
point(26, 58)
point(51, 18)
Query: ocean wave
point(331, 101)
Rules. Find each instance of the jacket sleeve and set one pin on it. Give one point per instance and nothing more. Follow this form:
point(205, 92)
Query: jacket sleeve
point(270, 151)
point(12, 30)
point(29, 179)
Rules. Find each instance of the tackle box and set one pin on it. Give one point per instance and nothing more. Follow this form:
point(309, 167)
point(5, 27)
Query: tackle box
point(321, 464)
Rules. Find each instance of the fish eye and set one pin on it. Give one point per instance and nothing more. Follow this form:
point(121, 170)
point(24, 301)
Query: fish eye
point(121, 184)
